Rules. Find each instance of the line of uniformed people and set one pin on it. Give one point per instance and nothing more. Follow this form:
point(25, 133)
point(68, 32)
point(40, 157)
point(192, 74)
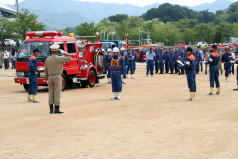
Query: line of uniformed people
point(165, 60)
point(129, 58)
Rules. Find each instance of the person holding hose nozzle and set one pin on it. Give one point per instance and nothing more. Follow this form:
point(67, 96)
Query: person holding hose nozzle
point(190, 67)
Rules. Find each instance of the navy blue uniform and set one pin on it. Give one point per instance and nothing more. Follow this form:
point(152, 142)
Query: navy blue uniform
point(190, 68)
point(117, 68)
point(107, 61)
point(157, 61)
point(131, 62)
point(124, 64)
point(226, 59)
point(172, 61)
point(198, 57)
point(166, 60)
point(135, 58)
point(32, 74)
point(213, 61)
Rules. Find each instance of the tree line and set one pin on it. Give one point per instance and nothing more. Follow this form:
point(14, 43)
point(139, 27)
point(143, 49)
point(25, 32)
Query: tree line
point(169, 24)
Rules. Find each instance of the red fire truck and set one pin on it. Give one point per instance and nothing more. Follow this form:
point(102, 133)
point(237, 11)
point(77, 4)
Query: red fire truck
point(85, 69)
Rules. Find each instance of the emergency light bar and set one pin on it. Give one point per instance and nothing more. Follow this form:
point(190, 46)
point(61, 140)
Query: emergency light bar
point(43, 33)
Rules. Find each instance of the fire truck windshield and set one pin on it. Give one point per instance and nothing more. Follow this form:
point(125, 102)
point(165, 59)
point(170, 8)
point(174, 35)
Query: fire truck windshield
point(27, 48)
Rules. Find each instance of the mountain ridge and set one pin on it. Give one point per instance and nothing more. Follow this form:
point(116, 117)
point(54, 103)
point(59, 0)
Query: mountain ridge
point(69, 13)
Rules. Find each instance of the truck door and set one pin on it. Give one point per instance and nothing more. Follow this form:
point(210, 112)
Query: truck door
point(73, 66)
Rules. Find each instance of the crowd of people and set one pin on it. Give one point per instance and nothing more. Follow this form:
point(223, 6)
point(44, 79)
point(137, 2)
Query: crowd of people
point(8, 59)
point(190, 62)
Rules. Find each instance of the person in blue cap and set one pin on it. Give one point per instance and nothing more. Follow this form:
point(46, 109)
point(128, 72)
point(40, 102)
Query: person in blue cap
point(227, 60)
point(134, 59)
point(117, 68)
point(33, 74)
point(172, 61)
point(190, 67)
point(131, 62)
point(214, 61)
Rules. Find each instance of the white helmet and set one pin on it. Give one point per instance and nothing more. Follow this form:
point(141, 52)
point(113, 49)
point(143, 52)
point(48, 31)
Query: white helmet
point(115, 49)
point(109, 50)
point(103, 50)
point(123, 49)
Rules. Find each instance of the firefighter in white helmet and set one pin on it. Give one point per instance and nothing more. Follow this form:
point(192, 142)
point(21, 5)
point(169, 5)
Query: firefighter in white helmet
point(117, 69)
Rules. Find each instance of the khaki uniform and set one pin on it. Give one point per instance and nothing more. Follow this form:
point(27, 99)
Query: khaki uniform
point(53, 71)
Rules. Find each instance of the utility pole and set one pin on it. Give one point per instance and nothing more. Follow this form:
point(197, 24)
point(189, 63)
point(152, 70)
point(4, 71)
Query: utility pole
point(17, 5)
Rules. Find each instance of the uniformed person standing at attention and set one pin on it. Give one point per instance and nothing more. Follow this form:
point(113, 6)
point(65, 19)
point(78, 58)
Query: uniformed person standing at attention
point(150, 58)
point(227, 60)
point(53, 71)
point(214, 61)
point(190, 68)
point(33, 74)
point(117, 68)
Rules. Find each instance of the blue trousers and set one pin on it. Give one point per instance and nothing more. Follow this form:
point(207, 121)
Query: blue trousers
point(116, 82)
point(108, 70)
point(227, 68)
point(214, 76)
point(172, 66)
point(33, 85)
point(197, 66)
point(161, 66)
point(166, 66)
point(191, 80)
point(134, 66)
point(130, 68)
point(150, 67)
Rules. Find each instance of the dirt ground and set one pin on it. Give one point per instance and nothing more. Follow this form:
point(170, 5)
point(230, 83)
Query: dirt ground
point(152, 121)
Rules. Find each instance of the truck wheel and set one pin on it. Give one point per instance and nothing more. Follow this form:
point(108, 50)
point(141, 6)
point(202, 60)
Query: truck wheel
point(64, 82)
point(26, 87)
point(92, 78)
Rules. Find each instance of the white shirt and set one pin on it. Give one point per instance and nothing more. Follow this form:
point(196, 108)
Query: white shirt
point(150, 55)
point(6, 55)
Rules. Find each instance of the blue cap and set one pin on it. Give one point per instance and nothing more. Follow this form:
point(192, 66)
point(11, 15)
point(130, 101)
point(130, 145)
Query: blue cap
point(36, 50)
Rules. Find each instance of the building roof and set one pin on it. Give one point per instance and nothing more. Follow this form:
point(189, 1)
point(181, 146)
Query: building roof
point(6, 10)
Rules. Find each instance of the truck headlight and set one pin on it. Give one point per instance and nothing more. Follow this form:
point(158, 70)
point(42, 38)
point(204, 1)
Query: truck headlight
point(42, 74)
point(84, 67)
point(20, 74)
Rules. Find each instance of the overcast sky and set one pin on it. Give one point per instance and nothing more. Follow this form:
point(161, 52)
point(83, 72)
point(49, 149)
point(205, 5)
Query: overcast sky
point(137, 2)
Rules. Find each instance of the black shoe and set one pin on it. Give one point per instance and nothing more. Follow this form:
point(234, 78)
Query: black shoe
point(236, 89)
point(51, 108)
point(57, 111)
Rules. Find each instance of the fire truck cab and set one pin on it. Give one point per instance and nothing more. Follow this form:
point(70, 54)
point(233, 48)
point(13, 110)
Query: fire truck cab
point(86, 67)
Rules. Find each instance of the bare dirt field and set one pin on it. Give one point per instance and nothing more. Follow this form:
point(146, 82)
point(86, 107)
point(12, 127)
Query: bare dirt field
point(152, 121)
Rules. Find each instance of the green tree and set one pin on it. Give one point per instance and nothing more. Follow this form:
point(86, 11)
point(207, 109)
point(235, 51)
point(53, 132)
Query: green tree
point(205, 32)
point(233, 12)
point(26, 21)
point(85, 29)
point(118, 18)
point(224, 31)
point(206, 17)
